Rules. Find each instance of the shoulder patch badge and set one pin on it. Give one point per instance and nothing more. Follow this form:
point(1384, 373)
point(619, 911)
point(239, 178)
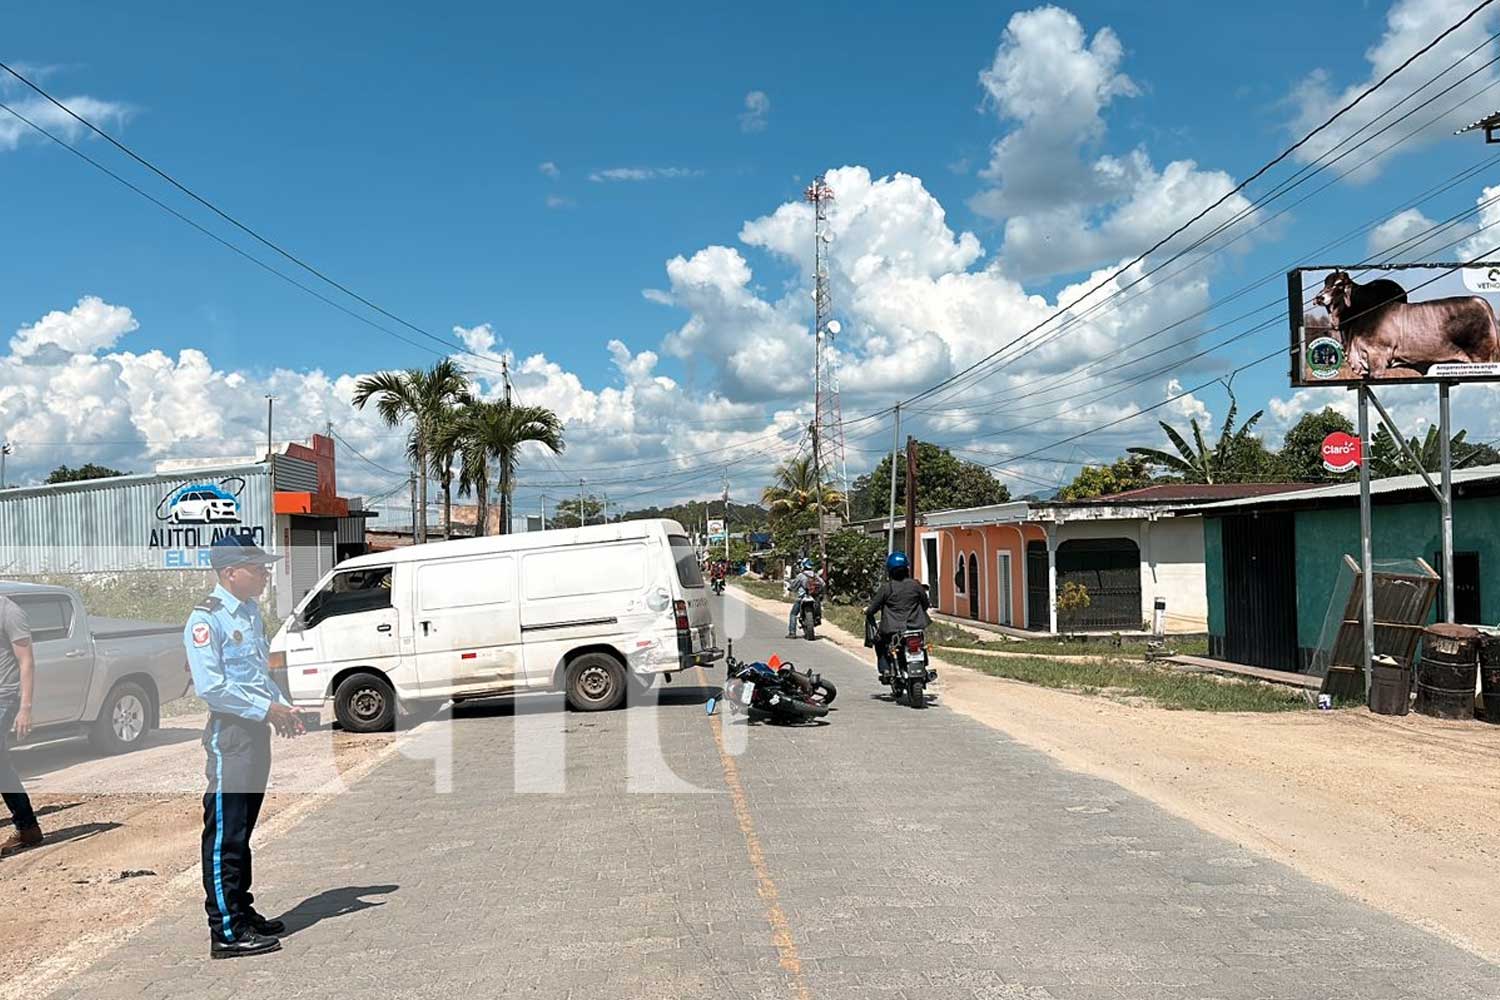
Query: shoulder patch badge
point(201, 634)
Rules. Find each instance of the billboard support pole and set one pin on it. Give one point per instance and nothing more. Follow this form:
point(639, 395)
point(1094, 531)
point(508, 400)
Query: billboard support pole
point(1445, 502)
point(1366, 558)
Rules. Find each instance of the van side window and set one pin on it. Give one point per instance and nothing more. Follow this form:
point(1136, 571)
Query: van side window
point(50, 617)
point(351, 592)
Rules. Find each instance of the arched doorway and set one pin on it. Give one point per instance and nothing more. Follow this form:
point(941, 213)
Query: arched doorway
point(973, 586)
point(1109, 569)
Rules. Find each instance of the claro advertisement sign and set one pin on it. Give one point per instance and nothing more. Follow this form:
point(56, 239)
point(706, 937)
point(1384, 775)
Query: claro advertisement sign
point(1424, 323)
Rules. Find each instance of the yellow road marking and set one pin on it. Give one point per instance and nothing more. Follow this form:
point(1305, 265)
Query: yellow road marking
point(765, 886)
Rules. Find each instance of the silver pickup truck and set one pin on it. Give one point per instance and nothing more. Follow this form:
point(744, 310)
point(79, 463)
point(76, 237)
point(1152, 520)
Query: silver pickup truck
point(104, 677)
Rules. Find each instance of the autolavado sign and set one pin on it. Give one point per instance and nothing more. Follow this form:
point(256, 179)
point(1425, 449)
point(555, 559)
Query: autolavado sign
point(1341, 452)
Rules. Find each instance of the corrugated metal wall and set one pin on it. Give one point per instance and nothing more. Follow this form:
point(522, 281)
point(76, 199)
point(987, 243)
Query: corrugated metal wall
point(295, 475)
point(106, 525)
point(352, 529)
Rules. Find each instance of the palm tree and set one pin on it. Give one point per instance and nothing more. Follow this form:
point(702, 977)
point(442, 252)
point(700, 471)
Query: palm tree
point(489, 437)
point(443, 449)
point(796, 489)
point(1197, 463)
point(421, 396)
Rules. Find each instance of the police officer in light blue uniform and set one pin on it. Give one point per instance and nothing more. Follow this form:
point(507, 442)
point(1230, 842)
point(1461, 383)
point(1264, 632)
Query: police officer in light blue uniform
point(229, 658)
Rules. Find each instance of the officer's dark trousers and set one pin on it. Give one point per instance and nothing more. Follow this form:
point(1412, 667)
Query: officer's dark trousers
point(239, 765)
point(10, 782)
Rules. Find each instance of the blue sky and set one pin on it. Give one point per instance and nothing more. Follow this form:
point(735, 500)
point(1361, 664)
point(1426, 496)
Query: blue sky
point(401, 151)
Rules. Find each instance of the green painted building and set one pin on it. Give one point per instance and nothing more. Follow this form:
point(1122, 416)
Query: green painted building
point(1271, 564)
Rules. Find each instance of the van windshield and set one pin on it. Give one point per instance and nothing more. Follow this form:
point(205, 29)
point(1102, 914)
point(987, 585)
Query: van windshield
point(686, 556)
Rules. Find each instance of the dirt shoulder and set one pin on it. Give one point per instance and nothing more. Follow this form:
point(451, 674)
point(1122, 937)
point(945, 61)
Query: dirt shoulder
point(123, 839)
point(1400, 813)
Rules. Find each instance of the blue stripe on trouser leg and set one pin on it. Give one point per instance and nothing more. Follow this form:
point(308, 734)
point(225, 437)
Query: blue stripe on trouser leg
point(218, 858)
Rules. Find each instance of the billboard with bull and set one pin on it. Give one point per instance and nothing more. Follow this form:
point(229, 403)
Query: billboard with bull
point(1391, 324)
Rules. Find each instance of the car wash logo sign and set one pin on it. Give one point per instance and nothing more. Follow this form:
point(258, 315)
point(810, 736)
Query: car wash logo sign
point(1341, 452)
point(192, 517)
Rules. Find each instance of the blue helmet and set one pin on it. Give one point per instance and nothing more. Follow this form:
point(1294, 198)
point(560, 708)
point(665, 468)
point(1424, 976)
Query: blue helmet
point(809, 564)
point(896, 560)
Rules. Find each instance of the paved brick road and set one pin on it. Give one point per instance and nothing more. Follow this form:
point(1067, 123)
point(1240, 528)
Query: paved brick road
point(891, 854)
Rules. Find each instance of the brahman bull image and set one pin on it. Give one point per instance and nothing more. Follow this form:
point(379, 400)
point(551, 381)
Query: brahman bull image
point(1380, 329)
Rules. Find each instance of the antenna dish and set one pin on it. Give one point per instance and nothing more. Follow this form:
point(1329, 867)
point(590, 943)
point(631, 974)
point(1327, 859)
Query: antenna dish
point(833, 327)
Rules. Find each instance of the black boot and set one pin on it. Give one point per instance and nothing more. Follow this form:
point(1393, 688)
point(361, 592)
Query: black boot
point(264, 925)
point(249, 942)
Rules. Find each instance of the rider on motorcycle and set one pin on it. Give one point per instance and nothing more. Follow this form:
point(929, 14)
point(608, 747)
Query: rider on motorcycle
point(902, 604)
point(807, 583)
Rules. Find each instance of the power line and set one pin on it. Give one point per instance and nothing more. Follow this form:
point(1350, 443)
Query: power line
point(1261, 171)
point(244, 228)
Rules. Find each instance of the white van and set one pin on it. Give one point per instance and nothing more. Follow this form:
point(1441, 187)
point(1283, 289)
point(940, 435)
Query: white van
point(582, 610)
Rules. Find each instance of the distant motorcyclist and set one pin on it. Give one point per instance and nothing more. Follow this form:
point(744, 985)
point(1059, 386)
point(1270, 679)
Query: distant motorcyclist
point(901, 603)
point(805, 584)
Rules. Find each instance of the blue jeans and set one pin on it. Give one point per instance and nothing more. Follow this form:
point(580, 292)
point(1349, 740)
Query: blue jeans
point(791, 618)
point(15, 796)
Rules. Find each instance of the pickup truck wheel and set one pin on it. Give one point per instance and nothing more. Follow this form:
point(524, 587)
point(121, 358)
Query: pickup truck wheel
point(365, 703)
point(124, 719)
point(595, 682)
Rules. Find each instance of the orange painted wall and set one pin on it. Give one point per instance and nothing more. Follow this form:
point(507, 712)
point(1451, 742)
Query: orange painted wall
point(984, 542)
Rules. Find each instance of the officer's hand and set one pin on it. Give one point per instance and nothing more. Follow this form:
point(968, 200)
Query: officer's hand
point(284, 720)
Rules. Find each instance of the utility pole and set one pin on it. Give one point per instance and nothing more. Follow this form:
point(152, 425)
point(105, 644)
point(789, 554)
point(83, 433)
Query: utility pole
point(270, 408)
point(726, 515)
point(5, 449)
point(580, 503)
point(414, 510)
point(911, 492)
point(544, 511)
point(505, 466)
point(890, 525)
point(606, 506)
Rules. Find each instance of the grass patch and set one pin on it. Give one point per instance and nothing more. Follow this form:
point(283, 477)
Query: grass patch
point(1114, 678)
point(1092, 646)
point(1118, 679)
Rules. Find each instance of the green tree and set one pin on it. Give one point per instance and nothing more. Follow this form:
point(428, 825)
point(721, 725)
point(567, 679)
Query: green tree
point(488, 437)
point(1130, 473)
point(63, 474)
point(796, 490)
point(1236, 457)
point(1301, 457)
point(566, 515)
point(1387, 459)
point(855, 561)
point(943, 483)
point(423, 397)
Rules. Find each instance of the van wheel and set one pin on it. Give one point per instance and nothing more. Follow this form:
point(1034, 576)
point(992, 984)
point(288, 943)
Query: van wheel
point(124, 719)
point(365, 703)
point(595, 683)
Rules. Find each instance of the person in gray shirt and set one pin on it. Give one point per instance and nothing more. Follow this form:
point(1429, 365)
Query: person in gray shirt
point(16, 671)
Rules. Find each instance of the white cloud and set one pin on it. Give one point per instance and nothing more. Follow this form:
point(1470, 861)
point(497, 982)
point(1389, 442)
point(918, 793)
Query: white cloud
point(90, 325)
point(558, 201)
point(13, 131)
point(757, 110)
point(1064, 208)
point(1483, 243)
point(1396, 231)
point(549, 169)
point(1410, 24)
point(642, 174)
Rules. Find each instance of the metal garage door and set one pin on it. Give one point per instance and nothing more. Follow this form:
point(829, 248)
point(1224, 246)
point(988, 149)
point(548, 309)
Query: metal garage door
point(311, 556)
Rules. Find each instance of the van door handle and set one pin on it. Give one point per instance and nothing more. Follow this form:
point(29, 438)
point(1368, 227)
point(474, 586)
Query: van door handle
point(74, 654)
point(382, 628)
point(425, 627)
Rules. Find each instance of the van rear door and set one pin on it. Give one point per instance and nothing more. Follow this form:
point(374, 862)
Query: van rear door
point(466, 626)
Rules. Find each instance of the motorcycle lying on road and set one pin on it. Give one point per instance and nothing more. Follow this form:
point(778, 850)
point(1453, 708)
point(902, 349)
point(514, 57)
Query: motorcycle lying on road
point(910, 669)
point(774, 691)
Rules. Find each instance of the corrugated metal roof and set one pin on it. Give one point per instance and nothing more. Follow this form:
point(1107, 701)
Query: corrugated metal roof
point(1194, 492)
point(1347, 491)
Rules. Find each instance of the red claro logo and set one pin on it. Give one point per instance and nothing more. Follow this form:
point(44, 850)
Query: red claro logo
point(1341, 452)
